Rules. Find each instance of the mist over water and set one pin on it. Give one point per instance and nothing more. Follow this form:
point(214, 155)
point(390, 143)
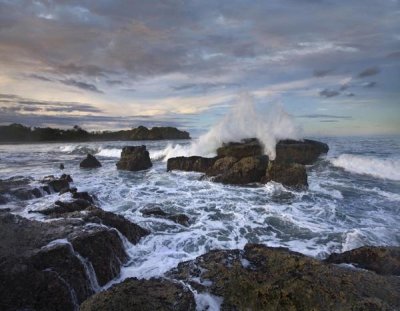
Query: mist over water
point(242, 121)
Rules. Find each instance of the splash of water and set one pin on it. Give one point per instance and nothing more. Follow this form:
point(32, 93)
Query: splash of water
point(243, 121)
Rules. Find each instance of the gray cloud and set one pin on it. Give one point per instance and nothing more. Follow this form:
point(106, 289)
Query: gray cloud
point(39, 77)
point(372, 71)
point(203, 86)
point(328, 93)
point(326, 116)
point(88, 70)
point(322, 73)
point(81, 85)
point(369, 84)
point(16, 103)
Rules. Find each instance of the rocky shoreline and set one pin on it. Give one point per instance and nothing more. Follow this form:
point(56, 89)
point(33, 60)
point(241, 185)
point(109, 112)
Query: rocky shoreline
point(66, 261)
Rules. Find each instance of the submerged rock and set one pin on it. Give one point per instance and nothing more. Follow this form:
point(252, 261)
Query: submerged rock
point(143, 295)
point(181, 219)
point(382, 260)
point(190, 164)
point(134, 158)
point(292, 175)
point(90, 162)
point(264, 278)
point(303, 152)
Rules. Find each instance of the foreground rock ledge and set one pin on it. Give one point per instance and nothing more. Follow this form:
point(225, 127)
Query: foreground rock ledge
point(256, 278)
point(142, 295)
point(264, 278)
point(243, 162)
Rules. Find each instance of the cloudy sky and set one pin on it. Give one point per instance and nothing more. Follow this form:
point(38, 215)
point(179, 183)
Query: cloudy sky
point(334, 65)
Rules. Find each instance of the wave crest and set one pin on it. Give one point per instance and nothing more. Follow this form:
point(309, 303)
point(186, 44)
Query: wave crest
point(381, 168)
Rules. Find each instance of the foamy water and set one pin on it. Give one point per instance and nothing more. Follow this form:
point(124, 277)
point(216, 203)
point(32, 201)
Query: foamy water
point(348, 203)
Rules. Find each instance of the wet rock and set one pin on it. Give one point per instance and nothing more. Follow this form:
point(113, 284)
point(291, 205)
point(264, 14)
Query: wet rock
point(82, 196)
point(190, 164)
point(130, 230)
point(61, 166)
point(62, 259)
point(44, 265)
point(181, 219)
point(143, 295)
point(264, 278)
point(382, 260)
point(61, 207)
point(90, 162)
point(105, 251)
point(292, 175)
point(221, 166)
point(246, 148)
point(134, 158)
point(3, 199)
point(303, 152)
point(246, 170)
point(58, 184)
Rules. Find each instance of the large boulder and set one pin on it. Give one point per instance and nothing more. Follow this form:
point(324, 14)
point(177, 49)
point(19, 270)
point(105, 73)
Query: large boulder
point(245, 148)
point(190, 164)
point(142, 295)
point(103, 248)
point(181, 219)
point(134, 158)
point(264, 278)
point(292, 175)
point(55, 265)
point(300, 151)
point(90, 162)
point(247, 170)
point(382, 260)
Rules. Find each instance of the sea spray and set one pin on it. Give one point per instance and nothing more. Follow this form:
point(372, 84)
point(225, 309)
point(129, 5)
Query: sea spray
point(242, 121)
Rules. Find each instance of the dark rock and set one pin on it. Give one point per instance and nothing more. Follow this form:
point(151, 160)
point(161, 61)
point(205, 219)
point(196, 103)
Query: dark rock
point(303, 152)
point(143, 295)
point(36, 193)
point(190, 164)
point(154, 212)
point(264, 278)
point(58, 184)
point(246, 148)
point(3, 199)
point(104, 249)
point(221, 166)
point(61, 207)
point(90, 162)
point(23, 194)
point(62, 166)
point(246, 170)
point(382, 260)
point(130, 230)
point(62, 259)
point(82, 195)
point(181, 219)
point(134, 159)
point(292, 175)
point(36, 275)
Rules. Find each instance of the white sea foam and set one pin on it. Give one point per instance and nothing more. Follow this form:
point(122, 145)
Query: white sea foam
point(242, 121)
point(109, 152)
point(381, 168)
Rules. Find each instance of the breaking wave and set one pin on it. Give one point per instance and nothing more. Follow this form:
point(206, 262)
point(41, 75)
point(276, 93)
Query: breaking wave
point(381, 168)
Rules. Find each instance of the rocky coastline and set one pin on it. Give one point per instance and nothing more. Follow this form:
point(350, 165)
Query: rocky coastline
point(18, 133)
point(66, 261)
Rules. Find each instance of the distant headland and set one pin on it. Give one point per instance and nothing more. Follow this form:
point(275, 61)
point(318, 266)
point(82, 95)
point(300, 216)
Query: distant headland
point(17, 133)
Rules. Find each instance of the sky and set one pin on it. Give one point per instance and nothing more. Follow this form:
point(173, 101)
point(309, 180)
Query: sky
point(109, 64)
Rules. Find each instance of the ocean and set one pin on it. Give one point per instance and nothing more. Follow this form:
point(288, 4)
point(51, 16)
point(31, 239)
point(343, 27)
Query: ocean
point(353, 200)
